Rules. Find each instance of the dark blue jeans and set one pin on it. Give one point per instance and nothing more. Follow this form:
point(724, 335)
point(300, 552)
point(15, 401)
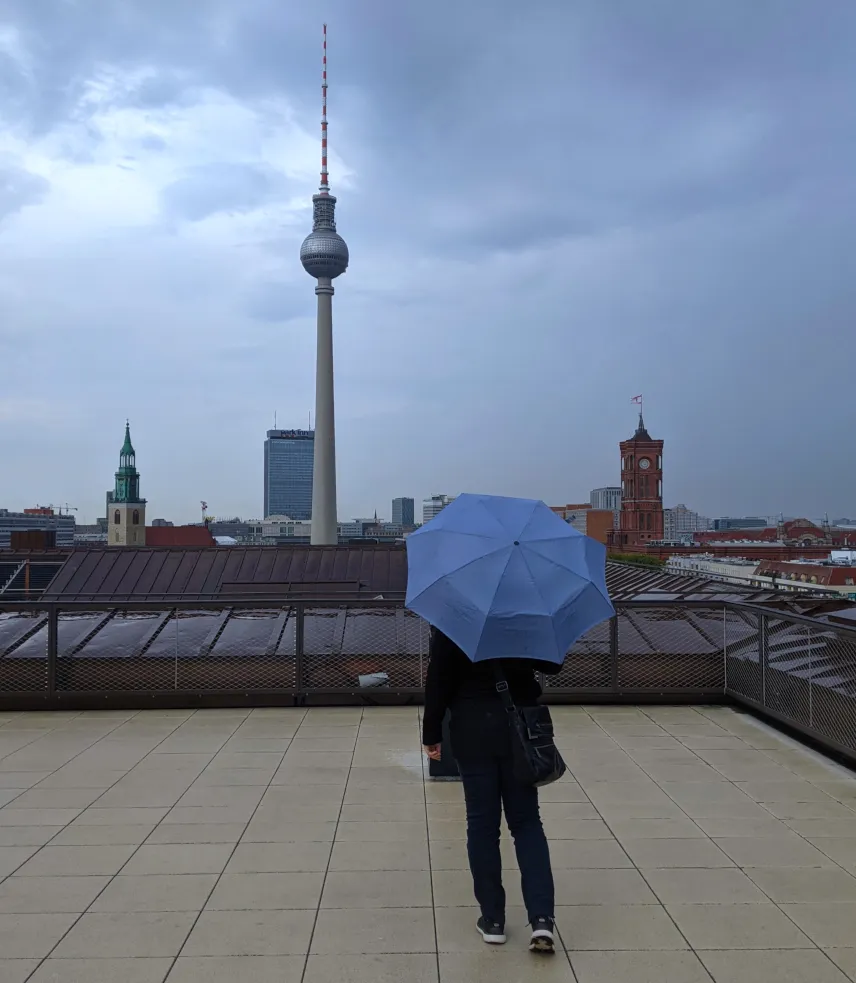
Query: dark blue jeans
point(490, 786)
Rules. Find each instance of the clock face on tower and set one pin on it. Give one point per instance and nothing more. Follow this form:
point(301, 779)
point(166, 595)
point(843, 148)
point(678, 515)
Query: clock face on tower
point(644, 464)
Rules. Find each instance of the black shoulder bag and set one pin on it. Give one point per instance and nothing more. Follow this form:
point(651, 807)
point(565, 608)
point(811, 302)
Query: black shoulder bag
point(536, 758)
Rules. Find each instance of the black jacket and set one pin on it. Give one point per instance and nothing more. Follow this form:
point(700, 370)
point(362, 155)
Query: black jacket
point(469, 690)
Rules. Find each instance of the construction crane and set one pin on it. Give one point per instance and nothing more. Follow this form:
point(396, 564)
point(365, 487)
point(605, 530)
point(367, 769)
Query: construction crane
point(59, 508)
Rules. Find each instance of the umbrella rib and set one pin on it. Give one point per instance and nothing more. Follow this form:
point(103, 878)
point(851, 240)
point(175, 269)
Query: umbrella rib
point(543, 599)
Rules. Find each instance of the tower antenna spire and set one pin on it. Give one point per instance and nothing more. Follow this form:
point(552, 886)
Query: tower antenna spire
point(324, 188)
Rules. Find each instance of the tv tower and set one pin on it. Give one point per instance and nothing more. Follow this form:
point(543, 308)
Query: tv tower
point(324, 255)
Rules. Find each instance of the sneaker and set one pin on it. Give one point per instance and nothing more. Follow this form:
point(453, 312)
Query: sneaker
point(542, 935)
point(492, 932)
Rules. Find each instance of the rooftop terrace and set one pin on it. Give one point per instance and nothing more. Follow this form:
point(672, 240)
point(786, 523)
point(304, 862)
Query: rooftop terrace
point(308, 846)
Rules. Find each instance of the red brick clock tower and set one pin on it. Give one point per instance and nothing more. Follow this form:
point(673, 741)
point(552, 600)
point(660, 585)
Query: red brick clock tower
point(641, 489)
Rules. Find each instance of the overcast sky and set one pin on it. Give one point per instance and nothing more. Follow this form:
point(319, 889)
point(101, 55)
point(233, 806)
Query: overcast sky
point(551, 207)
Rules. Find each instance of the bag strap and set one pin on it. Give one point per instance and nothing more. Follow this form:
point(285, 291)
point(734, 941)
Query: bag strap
point(502, 687)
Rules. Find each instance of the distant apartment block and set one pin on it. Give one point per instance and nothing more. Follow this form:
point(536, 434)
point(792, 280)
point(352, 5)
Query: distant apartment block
point(607, 498)
point(33, 520)
point(403, 512)
point(682, 523)
point(434, 505)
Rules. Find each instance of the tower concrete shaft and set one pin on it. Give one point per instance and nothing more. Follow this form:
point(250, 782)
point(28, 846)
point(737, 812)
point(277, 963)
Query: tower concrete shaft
point(324, 255)
point(324, 515)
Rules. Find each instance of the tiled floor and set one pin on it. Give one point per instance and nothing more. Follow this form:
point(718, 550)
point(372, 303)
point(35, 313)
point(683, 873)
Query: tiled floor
point(289, 845)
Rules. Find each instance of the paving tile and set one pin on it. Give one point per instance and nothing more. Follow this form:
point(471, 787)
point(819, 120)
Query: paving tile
point(805, 884)
point(841, 849)
point(229, 969)
point(96, 816)
point(606, 927)
point(780, 851)
point(345, 931)
point(22, 779)
point(638, 967)
point(155, 892)
point(609, 887)
point(402, 794)
point(828, 809)
point(52, 798)
point(251, 933)
point(137, 970)
point(222, 796)
point(845, 959)
point(37, 817)
point(52, 861)
point(676, 853)
point(200, 833)
point(49, 895)
point(503, 964)
point(662, 809)
point(387, 812)
point(125, 935)
point(789, 791)
point(404, 832)
point(32, 936)
point(842, 827)
point(14, 857)
point(794, 966)
point(274, 858)
point(378, 889)
point(17, 970)
point(742, 826)
point(27, 835)
point(641, 829)
point(258, 832)
point(234, 777)
point(723, 885)
point(384, 856)
point(737, 926)
point(197, 815)
point(576, 829)
point(125, 835)
point(179, 858)
point(246, 892)
point(827, 924)
point(566, 854)
point(297, 812)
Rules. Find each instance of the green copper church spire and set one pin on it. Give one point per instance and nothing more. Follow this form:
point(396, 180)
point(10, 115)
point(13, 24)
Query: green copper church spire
point(127, 477)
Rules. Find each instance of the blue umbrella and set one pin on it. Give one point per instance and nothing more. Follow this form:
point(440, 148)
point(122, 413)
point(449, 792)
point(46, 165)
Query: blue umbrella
point(506, 578)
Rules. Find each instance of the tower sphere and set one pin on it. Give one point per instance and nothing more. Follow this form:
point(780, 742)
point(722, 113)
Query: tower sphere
point(324, 253)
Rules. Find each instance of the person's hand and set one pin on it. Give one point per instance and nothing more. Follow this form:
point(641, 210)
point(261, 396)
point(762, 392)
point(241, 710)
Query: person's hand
point(432, 751)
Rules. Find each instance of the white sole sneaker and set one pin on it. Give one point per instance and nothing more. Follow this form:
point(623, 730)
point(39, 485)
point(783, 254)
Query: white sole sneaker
point(542, 941)
point(492, 938)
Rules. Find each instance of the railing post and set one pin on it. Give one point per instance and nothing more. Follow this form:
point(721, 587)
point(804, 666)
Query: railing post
point(762, 655)
point(613, 653)
point(53, 632)
point(300, 613)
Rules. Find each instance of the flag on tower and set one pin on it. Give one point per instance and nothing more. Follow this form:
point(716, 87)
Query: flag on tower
point(637, 399)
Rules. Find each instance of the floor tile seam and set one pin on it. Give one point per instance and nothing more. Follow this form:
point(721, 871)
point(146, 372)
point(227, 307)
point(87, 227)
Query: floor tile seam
point(330, 855)
point(426, 767)
point(208, 896)
point(103, 792)
point(110, 878)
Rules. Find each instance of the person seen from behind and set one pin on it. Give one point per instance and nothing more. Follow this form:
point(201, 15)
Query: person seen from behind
point(481, 741)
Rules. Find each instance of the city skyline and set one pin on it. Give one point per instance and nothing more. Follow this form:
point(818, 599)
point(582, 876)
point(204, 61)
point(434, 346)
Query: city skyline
point(155, 169)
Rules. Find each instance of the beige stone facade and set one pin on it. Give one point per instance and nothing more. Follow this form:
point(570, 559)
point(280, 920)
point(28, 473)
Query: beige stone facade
point(127, 524)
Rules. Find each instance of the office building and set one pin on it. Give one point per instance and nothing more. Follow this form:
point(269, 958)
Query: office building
point(36, 520)
point(289, 470)
point(749, 522)
point(403, 512)
point(434, 506)
point(608, 498)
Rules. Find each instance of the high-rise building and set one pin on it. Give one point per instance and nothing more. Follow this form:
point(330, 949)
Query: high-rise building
point(403, 512)
point(324, 255)
point(750, 522)
point(126, 520)
point(32, 520)
point(289, 470)
point(681, 523)
point(434, 506)
point(607, 498)
point(641, 490)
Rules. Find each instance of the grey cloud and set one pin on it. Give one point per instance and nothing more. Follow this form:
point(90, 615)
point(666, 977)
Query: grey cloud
point(278, 302)
point(222, 187)
point(19, 188)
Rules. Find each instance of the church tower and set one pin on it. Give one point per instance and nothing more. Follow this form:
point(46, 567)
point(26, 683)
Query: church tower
point(126, 521)
point(641, 489)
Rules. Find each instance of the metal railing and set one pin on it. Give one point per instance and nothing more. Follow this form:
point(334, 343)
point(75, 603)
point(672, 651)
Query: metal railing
point(258, 650)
